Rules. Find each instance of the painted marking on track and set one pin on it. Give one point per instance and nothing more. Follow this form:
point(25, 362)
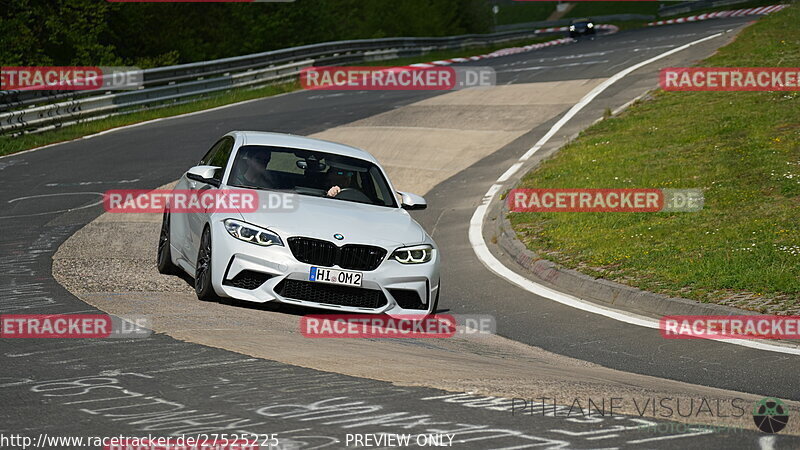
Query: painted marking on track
point(767, 443)
point(559, 66)
point(493, 264)
point(663, 438)
point(89, 183)
point(58, 211)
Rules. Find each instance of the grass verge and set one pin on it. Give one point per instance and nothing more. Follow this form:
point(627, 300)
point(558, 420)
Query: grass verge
point(741, 148)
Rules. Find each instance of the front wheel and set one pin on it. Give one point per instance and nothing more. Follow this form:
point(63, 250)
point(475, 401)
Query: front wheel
point(164, 257)
point(202, 275)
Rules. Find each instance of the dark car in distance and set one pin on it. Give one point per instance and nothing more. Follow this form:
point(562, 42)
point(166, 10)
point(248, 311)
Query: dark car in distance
point(581, 27)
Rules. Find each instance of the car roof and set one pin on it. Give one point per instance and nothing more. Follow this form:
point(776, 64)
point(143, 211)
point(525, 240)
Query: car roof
point(302, 143)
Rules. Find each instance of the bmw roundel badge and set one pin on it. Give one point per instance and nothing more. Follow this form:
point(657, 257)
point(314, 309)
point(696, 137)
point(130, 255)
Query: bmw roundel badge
point(338, 236)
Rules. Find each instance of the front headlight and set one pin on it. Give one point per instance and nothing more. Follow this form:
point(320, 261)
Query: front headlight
point(572, 28)
point(413, 255)
point(590, 25)
point(251, 233)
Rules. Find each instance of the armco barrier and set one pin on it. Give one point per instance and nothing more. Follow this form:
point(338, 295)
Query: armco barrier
point(67, 112)
point(24, 111)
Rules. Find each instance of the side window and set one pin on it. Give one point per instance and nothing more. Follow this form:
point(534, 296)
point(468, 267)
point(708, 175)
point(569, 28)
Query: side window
point(382, 193)
point(205, 160)
point(218, 156)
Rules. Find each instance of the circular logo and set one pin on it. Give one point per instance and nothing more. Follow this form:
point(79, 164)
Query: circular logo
point(770, 415)
point(338, 236)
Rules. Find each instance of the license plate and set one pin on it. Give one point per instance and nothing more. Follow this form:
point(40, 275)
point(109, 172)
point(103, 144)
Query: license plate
point(333, 276)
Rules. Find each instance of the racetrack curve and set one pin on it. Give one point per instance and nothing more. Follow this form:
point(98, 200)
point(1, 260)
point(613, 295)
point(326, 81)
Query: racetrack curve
point(496, 128)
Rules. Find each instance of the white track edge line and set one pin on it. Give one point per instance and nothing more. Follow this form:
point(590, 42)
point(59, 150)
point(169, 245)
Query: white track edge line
point(493, 264)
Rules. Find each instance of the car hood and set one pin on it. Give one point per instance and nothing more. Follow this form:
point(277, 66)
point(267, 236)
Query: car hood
point(321, 218)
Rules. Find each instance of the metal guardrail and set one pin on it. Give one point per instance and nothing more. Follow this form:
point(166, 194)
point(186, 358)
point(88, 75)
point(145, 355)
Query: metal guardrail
point(67, 112)
point(26, 111)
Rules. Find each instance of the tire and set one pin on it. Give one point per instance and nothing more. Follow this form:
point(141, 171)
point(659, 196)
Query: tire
point(202, 275)
point(164, 255)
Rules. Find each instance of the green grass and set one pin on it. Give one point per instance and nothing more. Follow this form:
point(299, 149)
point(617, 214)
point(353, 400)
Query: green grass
point(521, 12)
point(591, 9)
point(9, 144)
point(741, 148)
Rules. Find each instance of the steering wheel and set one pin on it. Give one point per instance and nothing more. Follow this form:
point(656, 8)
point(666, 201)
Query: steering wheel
point(353, 195)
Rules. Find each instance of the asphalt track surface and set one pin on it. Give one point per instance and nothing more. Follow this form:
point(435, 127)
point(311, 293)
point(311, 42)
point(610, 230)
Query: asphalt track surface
point(167, 387)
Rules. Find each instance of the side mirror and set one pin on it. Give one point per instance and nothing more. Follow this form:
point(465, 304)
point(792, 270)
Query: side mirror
point(411, 201)
point(203, 174)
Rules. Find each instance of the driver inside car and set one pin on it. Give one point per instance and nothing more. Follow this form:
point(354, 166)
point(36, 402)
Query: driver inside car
point(250, 170)
point(339, 179)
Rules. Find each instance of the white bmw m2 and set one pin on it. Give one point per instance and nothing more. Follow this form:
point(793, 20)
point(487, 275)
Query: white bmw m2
point(345, 242)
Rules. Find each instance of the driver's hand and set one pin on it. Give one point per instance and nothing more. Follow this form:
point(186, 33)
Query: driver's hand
point(334, 191)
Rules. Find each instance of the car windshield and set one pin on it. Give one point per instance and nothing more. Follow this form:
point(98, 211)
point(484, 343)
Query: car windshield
point(310, 172)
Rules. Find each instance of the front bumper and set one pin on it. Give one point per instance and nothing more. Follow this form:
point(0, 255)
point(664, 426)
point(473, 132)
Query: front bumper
point(578, 32)
point(253, 273)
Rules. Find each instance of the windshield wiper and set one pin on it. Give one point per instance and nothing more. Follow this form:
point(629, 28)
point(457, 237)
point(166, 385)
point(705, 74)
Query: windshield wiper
point(248, 187)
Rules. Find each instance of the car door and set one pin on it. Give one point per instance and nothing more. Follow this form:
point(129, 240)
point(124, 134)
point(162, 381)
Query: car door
point(198, 219)
point(190, 224)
